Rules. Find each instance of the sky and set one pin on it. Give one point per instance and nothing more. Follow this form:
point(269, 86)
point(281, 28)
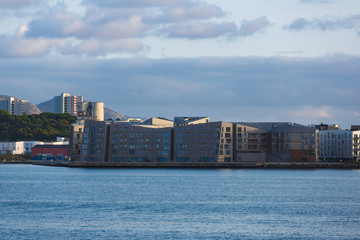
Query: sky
point(231, 60)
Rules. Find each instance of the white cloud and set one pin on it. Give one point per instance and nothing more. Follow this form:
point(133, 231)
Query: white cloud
point(313, 112)
point(19, 47)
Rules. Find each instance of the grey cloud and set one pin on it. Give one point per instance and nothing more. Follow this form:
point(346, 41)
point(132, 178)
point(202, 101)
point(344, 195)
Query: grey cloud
point(103, 47)
point(249, 27)
point(136, 3)
point(195, 30)
point(13, 4)
point(198, 30)
point(315, 1)
point(148, 87)
point(327, 23)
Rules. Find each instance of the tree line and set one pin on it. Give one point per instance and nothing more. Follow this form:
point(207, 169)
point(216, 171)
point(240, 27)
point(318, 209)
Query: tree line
point(37, 127)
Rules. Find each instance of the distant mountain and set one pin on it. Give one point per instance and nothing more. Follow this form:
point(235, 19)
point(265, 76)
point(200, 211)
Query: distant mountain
point(28, 106)
point(111, 114)
point(48, 106)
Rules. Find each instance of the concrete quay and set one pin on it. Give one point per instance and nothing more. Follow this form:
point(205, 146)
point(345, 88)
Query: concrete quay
point(213, 165)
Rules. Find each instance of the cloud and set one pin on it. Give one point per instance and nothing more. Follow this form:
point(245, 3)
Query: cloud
point(199, 30)
point(186, 13)
point(13, 4)
point(99, 48)
point(61, 23)
point(315, 112)
point(21, 48)
point(196, 30)
point(226, 88)
point(136, 3)
point(249, 27)
point(315, 1)
point(326, 23)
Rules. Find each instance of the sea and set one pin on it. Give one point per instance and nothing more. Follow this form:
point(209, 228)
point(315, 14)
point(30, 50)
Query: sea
point(39, 202)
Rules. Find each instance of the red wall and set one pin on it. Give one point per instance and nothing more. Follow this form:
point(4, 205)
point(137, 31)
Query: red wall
point(53, 151)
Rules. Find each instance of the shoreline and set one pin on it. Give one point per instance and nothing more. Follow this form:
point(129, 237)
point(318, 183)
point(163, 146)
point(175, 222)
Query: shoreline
point(182, 165)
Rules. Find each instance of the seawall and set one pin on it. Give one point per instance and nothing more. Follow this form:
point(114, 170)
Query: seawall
point(216, 165)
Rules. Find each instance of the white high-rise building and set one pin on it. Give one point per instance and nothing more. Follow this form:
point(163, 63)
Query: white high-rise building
point(65, 103)
point(336, 145)
point(13, 105)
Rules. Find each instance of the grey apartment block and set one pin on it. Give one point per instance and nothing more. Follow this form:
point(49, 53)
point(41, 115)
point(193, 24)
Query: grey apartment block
point(192, 140)
point(203, 142)
point(139, 143)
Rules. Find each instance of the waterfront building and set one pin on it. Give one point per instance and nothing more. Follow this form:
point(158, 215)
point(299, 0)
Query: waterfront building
point(122, 141)
point(28, 145)
point(65, 103)
point(13, 105)
point(182, 121)
point(202, 141)
point(192, 139)
point(252, 141)
point(50, 152)
point(339, 145)
point(75, 141)
point(293, 142)
point(12, 147)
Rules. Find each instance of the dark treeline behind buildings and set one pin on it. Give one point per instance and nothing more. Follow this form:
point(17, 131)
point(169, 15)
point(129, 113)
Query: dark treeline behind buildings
point(44, 126)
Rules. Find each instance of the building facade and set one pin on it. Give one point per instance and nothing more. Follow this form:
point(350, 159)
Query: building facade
point(203, 142)
point(65, 103)
point(12, 147)
point(339, 145)
point(192, 140)
point(13, 105)
point(91, 110)
point(50, 152)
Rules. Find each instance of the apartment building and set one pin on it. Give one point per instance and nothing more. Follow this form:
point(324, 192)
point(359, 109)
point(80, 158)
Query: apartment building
point(13, 105)
point(339, 145)
point(192, 139)
point(65, 103)
point(293, 142)
point(203, 142)
point(252, 141)
point(12, 147)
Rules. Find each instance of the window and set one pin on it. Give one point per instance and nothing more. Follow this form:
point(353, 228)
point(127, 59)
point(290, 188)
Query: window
point(165, 135)
point(228, 152)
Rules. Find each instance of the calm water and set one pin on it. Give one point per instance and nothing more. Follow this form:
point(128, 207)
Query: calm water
point(39, 202)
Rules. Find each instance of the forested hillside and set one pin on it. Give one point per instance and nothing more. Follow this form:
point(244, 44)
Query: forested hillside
point(41, 127)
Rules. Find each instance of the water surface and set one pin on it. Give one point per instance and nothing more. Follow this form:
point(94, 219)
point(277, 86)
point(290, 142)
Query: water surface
point(38, 202)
